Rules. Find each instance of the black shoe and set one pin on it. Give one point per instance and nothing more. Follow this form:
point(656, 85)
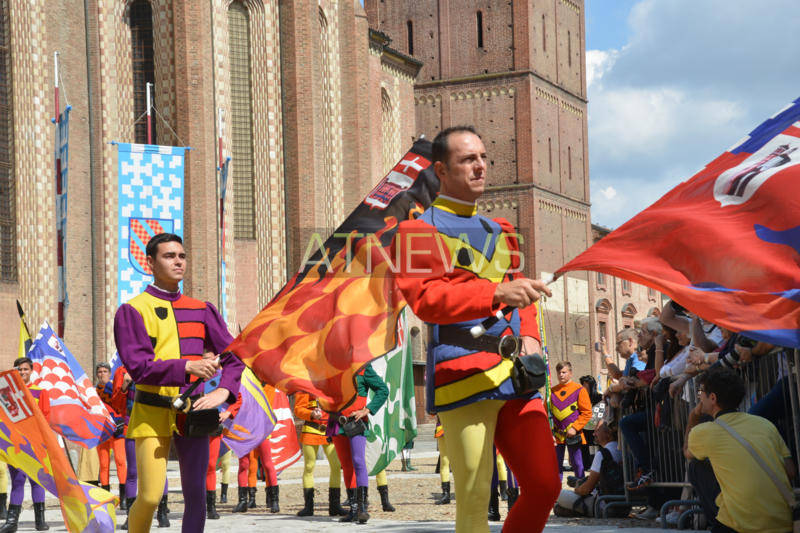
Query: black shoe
point(123, 501)
point(445, 499)
point(361, 505)
point(351, 498)
point(334, 503)
point(223, 493)
point(383, 490)
point(241, 507)
point(3, 510)
point(129, 502)
point(513, 494)
point(251, 500)
point(503, 488)
point(273, 499)
point(12, 519)
point(494, 506)
point(308, 499)
point(38, 517)
point(162, 514)
point(211, 505)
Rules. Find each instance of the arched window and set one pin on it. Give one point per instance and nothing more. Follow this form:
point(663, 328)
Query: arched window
point(241, 121)
point(144, 72)
point(544, 35)
point(479, 21)
point(410, 33)
point(8, 211)
point(389, 133)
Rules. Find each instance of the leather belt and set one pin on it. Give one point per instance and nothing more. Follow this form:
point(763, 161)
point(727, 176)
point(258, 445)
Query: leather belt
point(506, 346)
point(156, 400)
point(316, 425)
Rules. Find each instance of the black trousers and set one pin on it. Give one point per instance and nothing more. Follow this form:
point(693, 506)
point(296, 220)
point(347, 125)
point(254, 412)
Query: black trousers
point(705, 485)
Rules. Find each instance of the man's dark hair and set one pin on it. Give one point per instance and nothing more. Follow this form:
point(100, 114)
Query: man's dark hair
point(152, 244)
point(102, 365)
point(440, 149)
point(22, 360)
point(726, 384)
point(562, 364)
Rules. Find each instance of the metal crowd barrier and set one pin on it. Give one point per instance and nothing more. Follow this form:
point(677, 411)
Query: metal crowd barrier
point(772, 378)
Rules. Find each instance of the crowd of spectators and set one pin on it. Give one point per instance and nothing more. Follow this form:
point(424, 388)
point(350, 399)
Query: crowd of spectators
point(701, 413)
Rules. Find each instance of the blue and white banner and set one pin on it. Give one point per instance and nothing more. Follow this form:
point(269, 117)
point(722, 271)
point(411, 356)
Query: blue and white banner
point(150, 202)
point(223, 189)
point(61, 153)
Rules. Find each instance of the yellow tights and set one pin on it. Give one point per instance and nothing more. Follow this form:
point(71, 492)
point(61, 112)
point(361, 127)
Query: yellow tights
point(470, 435)
point(310, 460)
point(444, 462)
point(151, 462)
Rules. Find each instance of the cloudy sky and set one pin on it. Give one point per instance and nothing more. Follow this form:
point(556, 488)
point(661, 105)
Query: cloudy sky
point(674, 83)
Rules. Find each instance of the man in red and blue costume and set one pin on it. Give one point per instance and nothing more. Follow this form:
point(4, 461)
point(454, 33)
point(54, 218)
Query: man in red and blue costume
point(161, 336)
point(456, 270)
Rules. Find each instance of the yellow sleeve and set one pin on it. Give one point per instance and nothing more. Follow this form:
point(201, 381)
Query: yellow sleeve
point(698, 441)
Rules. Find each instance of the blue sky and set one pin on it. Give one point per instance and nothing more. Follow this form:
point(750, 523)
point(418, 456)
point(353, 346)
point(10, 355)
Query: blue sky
point(674, 83)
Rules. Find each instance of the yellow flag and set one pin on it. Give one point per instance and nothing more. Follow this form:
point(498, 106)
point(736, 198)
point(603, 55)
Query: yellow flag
point(24, 339)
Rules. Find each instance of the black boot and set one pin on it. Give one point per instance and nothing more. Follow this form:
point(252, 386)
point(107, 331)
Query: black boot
point(351, 498)
point(334, 503)
point(308, 498)
point(106, 487)
point(383, 490)
point(361, 505)
point(494, 506)
point(123, 501)
point(3, 510)
point(251, 500)
point(273, 499)
point(241, 507)
point(129, 503)
point(38, 517)
point(513, 494)
point(503, 490)
point(12, 519)
point(162, 515)
point(211, 505)
point(223, 493)
point(445, 499)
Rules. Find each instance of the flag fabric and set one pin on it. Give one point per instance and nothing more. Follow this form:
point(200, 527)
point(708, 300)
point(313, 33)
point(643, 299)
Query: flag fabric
point(726, 243)
point(255, 420)
point(395, 423)
point(76, 411)
point(24, 339)
point(340, 311)
point(61, 159)
point(150, 202)
point(283, 439)
point(28, 443)
point(223, 188)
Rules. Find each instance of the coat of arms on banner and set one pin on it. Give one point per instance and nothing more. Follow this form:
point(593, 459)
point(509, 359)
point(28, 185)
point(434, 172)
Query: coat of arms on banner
point(12, 400)
point(141, 230)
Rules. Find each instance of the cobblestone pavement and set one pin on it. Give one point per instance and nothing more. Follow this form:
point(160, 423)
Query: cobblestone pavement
point(412, 494)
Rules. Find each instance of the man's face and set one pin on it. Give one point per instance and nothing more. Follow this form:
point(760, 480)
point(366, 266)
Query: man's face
point(169, 264)
point(646, 338)
point(707, 402)
point(103, 375)
point(565, 374)
point(25, 372)
point(463, 174)
point(626, 347)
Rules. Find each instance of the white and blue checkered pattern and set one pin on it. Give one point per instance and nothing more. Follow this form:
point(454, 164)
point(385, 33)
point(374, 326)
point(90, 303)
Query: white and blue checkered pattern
point(150, 187)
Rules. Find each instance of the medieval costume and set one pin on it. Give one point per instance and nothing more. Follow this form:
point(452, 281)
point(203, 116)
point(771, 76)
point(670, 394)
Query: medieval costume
point(570, 407)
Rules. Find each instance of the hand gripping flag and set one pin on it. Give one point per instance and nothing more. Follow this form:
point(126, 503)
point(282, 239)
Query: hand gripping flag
point(340, 311)
point(395, 423)
point(76, 411)
point(255, 420)
point(283, 439)
point(28, 443)
point(726, 243)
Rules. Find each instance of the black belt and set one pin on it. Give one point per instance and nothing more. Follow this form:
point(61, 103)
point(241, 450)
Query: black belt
point(507, 345)
point(316, 425)
point(156, 400)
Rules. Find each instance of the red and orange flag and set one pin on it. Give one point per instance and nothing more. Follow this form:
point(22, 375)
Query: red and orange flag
point(340, 311)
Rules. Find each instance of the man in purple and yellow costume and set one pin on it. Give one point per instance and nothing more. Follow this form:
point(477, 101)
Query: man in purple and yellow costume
point(570, 409)
point(161, 336)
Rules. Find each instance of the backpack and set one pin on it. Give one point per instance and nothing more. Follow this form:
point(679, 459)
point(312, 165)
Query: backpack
point(611, 477)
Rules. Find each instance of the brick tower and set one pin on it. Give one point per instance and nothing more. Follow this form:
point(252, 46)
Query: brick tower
point(514, 69)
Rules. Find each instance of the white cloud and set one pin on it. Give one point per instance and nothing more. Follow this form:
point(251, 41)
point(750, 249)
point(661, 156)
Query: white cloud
point(694, 78)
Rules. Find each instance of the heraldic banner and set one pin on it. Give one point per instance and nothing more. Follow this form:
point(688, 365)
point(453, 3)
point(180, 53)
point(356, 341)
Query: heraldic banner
point(150, 202)
point(28, 443)
point(725, 244)
point(340, 311)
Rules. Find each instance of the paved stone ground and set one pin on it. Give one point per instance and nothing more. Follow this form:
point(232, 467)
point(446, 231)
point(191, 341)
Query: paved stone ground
point(412, 493)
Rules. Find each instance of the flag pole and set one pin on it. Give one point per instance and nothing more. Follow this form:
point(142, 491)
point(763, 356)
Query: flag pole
point(22, 319)
point(149, 118)
point(543, 332)
point(59, 191)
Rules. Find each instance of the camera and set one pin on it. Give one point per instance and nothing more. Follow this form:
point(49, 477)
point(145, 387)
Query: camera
point(744, 342)
point(574, 481)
